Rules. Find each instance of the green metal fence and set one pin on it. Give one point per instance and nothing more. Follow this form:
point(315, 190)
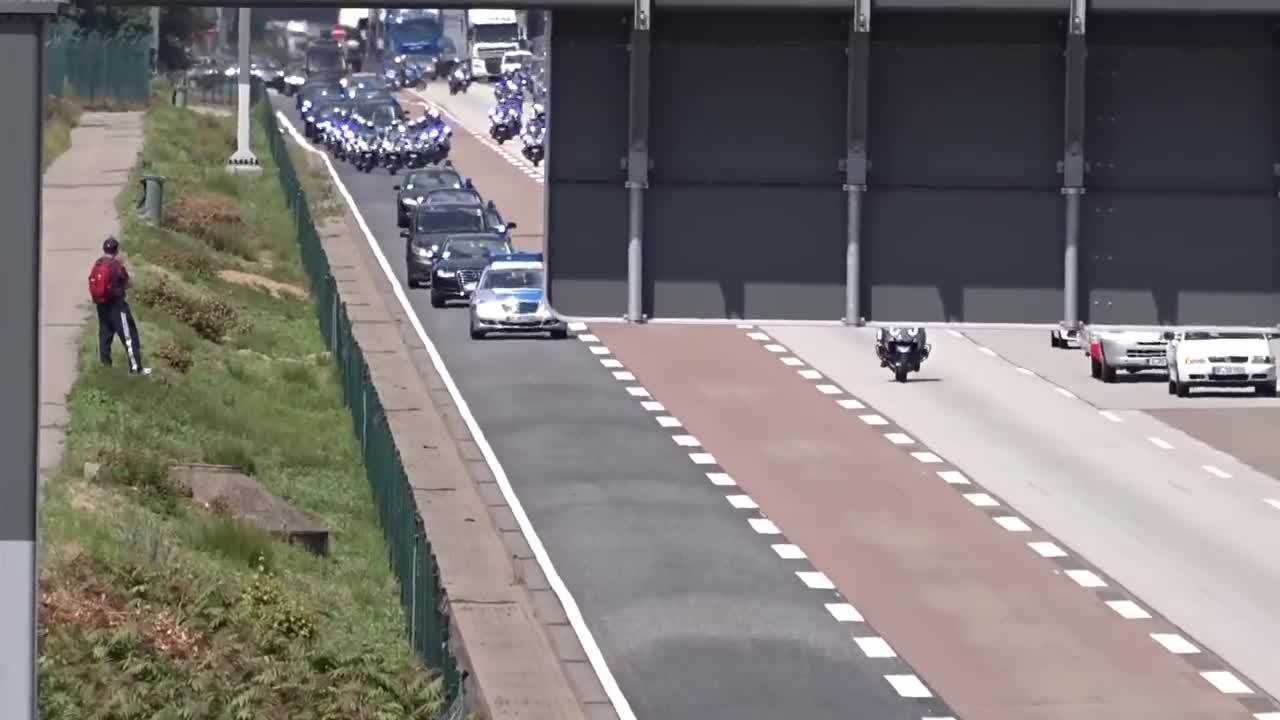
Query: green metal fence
point(410, 552)
point(96, 70)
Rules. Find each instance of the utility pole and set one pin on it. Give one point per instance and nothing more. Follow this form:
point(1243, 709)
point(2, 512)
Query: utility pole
point(155, 39)
point(243, 161)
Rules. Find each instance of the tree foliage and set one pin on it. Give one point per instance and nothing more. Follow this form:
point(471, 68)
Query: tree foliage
point(179, 26)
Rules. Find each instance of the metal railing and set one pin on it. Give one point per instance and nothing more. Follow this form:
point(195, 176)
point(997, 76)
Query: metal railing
point(97, 70)
point(411, 556)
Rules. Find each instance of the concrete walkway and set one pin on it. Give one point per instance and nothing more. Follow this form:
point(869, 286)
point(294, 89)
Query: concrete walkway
point(80, 190)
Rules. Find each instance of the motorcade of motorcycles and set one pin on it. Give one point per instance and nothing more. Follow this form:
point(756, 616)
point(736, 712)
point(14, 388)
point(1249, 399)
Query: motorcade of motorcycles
point(902, 349)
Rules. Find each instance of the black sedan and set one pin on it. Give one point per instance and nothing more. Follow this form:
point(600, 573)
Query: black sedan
point(467, 196)
point(420, 182)
point(462, 258)
point(431, 226)
point(314, 91)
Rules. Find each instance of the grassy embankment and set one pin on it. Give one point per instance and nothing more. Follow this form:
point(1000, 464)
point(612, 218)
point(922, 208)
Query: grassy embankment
point(60, 116)
point(153, 608)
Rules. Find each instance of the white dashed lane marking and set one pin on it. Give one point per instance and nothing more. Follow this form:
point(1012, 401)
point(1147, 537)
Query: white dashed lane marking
point(1217, 473)
point(1272, 502)
point(1163, 445)
point(1175, 643)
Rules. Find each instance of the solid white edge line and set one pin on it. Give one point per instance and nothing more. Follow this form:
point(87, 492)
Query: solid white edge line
point(574, 615)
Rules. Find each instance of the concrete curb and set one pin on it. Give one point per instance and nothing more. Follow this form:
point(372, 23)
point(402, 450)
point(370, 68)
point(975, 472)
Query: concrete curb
point(509, 629)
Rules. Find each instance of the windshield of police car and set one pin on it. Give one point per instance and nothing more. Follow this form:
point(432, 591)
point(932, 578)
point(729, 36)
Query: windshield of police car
point(467, 219)
point(513, 279)
point(476, 248)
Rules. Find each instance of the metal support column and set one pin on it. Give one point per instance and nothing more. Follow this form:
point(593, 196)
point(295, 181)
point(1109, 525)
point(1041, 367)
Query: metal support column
point(22, 52)
point(855, 160)
point(243, 161)
point(637, 160)
point(1073, 162)
point(155, 38)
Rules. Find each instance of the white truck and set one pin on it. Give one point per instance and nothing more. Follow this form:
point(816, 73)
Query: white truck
point(491, 34)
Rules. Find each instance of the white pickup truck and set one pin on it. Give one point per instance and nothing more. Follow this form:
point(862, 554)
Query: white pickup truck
point(1113, 350)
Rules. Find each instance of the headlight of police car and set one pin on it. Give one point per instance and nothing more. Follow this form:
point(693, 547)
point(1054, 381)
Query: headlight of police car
point(421, 252)
point(411, 201)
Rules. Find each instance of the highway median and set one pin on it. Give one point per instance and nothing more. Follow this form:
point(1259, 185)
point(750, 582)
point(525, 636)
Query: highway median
point(152, 605)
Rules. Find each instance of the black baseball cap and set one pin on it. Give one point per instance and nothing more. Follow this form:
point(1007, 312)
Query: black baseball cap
point(110, 246)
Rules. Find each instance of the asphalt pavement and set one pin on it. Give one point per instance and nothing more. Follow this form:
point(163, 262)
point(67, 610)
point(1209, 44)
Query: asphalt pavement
point(693, 618)
point(1189, 530)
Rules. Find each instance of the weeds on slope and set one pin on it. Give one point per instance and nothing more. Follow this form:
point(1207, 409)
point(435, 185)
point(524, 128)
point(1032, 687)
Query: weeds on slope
point(60, 116)
point(154, 608)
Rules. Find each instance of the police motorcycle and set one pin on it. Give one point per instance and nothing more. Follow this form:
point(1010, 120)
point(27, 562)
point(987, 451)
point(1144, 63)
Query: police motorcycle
point(365, 148)
point(534, 136)
point(459, 79)
point(342, 137)
point(436, 135)
point(391, 150)
point(902, 350)
point(505, 119)
point(506, 89)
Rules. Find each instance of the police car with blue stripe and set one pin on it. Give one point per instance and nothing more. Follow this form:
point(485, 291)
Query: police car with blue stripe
point(509, 297)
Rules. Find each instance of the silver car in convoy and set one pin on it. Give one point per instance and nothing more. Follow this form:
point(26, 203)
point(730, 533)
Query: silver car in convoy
point(1132, 351)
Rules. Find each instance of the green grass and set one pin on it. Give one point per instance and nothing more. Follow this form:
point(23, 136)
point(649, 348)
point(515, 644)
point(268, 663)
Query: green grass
point(60, 116)
point(154, 608)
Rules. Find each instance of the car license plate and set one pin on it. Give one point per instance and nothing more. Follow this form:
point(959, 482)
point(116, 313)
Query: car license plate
point(469, 286)
point(1228, 370)
point(1156, 362)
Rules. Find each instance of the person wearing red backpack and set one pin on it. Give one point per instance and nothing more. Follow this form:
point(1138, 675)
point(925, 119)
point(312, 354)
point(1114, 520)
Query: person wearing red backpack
point(108, 285)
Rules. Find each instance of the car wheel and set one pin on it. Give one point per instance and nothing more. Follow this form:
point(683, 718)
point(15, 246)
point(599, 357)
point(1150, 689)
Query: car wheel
point(1184, 390)
point(560, 334)
point(476, 333)
point(1095, 368)
point(1266, 389)
point(1108, 374)
point(1054, 340)
point(413, 284)
point(437, 300)
point(1173, 388)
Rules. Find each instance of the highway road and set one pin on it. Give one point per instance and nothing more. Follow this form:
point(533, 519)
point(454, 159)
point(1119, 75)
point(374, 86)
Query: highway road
point(696, 614)
point(788, 533)
point(1181, 524)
